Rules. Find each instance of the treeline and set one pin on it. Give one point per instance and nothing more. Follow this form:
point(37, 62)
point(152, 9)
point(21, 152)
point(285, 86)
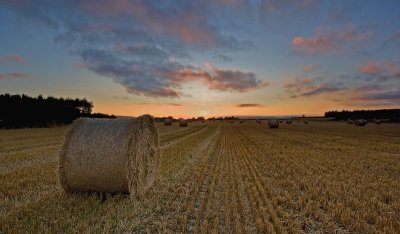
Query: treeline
point(388, 114)
point(17, 111)
point(161, 119)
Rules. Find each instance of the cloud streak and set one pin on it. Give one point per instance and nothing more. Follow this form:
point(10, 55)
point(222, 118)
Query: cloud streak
point(379, 67)
point(14, 58)
point(327, 41)
point(245, 105)
point(15, 75)
point(308, 87)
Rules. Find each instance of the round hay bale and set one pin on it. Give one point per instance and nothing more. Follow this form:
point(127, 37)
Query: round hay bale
point(258, 121)
point(167, 122)
point(241, 121)
point(232, 121)
point(110, 155)
point(349, 121)
point(183, 123)
point(289, 121)
point(305, 121)
point(360, 122)
point(273, 123)
point(377, 121)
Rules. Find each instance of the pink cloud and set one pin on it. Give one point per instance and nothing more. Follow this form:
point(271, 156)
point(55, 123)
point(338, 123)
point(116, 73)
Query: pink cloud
point(14, 75)
point(306, 87)
point(377, 67)
point(189, 25)
point(16, 58)
point(310, 68)
point(325, 41)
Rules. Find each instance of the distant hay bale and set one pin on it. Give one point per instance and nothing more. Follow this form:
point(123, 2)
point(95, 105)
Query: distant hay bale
point(305, 121)
point(241, 121)
point(349, 121)
point(289, 121)
point(258, 121)
point(377, 121)
point(183, 123)
point(273, 123)
point(360, 122)
point(167, 122)
point(110, 155)
point(232, 121)
point(280, 121)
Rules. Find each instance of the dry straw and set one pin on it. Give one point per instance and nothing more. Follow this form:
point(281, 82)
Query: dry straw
point(110, 155)
point(273, 123)
point(167, 122)
point(360, 122)
point(183, 123)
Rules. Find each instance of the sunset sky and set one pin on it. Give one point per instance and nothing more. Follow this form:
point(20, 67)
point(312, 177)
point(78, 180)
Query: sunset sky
point(204, 58)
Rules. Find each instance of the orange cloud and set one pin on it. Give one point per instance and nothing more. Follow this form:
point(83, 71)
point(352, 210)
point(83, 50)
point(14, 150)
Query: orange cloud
point(220, 79)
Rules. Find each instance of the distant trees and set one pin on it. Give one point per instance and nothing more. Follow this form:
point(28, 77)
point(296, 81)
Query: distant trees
point(390, 114)
point(23, 111)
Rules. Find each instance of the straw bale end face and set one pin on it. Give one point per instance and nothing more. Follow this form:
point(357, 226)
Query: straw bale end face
point(167, 122)
point(110, 155)
point(183, 123)
point(360, 122)
point(273, 123)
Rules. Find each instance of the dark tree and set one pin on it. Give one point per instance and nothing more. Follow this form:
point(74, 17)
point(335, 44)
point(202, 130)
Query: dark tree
point(18, 111)
point(389, 114)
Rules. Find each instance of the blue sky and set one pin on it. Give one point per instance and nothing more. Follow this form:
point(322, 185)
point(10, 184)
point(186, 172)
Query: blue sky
point(204, 57)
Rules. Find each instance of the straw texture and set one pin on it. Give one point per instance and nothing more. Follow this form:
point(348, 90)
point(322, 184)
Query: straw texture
point(273, 123)
point(167, 122)
point(183, 123)
point(110, 155)
point(360, 122)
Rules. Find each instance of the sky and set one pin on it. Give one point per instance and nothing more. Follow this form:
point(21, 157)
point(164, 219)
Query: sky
point(204, 57)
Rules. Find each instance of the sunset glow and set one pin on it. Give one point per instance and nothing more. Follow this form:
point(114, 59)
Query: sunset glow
point(204, 58)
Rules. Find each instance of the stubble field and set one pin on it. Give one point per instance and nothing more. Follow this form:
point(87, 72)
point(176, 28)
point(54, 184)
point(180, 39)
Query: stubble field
point(219, 177)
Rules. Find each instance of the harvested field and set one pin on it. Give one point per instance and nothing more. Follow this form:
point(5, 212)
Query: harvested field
point(220, 177)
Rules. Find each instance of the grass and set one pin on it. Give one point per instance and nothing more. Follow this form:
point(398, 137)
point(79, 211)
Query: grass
point(320, 177)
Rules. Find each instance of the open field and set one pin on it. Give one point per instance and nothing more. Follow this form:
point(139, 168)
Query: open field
point(220, 177)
